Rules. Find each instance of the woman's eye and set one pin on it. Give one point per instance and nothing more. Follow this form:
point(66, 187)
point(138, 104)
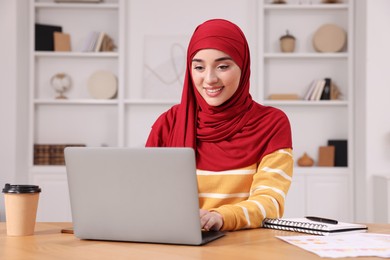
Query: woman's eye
point(223, 67)
point(198, 67)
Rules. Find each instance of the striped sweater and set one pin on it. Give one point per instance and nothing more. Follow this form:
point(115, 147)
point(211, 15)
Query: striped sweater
point(244, 197)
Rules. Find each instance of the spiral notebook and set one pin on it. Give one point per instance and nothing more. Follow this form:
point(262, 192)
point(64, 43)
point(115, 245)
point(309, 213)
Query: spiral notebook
point(305, 225)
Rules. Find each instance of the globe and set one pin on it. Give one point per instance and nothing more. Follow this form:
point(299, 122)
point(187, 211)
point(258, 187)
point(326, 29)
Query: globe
point(61, 83)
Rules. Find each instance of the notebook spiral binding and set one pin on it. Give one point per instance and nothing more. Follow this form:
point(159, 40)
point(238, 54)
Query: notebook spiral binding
point(306, 227)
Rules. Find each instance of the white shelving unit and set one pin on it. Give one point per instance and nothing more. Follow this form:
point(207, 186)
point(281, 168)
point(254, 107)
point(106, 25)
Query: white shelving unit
point(325, 191)
point(80, 119)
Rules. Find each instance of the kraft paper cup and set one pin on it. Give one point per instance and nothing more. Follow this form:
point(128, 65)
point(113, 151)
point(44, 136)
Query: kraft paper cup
point(21, 203)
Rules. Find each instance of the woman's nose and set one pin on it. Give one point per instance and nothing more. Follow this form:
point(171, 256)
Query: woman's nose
point(211, 77)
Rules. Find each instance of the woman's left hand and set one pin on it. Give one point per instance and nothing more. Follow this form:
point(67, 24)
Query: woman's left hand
point(210, 220)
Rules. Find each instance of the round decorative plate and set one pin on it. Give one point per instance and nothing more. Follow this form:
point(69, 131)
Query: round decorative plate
point(102, 85)
point(329, 38)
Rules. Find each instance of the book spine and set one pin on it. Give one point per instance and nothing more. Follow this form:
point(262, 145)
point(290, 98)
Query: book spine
point(99, 42)
point(41, 154)
point(57, 154)
point(310, 90)
point(51, 154)
point(326, 91)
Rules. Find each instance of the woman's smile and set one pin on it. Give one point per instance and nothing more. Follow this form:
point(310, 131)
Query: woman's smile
point(213, 92)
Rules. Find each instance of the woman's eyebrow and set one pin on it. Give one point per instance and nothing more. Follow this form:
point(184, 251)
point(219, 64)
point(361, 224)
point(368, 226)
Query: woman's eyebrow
point(219, 59)
point(197, 60)
point(224, 58)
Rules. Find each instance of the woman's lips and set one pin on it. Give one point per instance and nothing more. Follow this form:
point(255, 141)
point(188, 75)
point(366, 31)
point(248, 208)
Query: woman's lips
point(213, 92)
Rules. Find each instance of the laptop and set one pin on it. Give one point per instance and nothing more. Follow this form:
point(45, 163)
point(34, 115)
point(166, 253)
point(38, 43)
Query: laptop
point(135, 194)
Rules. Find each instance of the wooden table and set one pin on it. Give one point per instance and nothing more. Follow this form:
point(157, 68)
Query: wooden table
point(49, 243)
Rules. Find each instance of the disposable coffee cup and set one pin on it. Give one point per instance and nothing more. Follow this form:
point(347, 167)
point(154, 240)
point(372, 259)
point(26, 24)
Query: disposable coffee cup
point(21, 203)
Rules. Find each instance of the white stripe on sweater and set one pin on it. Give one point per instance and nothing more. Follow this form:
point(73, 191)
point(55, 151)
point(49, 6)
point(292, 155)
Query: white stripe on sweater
point(261, 207)
point(263, 187)
point(248, 221)
point(275, 202)
point(285, 152)
point(277, 171)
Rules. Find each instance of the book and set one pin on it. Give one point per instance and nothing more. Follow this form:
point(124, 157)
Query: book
point(283, 97)
point(310, 90)
point(78, 1)
point(334, 92)
point(61, 41)
point(341, 152)
point(51, 154)
point(98, 45)
point(304, 225)
point(93, 41)
point(327, 89)
point(107, 44)
point(41, 154)
point(89, 43)
point(326, 156)
point(318, 90)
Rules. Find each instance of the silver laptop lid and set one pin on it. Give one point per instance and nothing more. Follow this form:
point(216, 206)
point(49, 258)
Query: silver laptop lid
point(134, 194)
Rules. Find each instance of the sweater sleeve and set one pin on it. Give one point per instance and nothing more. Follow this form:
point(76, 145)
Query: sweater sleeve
point(269, 188)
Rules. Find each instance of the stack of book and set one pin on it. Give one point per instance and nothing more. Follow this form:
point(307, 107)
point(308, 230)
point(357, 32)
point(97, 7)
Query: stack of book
point(322, 89)
point(98, 41)
point(51, 154)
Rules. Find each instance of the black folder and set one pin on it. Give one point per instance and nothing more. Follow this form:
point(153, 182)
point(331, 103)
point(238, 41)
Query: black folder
point(341, 152)
point(44, 36)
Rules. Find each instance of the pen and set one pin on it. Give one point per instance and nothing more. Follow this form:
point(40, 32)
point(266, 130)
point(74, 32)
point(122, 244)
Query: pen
point(322, 220)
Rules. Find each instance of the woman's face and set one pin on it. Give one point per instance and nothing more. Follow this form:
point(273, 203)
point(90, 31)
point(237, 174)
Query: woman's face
point(215, 75)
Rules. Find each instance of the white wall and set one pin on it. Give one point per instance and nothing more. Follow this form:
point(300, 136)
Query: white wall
point(13, 99)
point(372, 102)
point(8, 96)
point(377, 92)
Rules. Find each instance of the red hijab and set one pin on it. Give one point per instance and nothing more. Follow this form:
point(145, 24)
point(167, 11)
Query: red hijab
point(237, 133)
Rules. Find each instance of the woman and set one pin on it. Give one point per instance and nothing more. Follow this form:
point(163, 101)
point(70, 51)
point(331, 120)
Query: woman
point(243, 149)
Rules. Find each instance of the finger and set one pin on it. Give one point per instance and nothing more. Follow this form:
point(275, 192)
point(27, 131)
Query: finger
point(203, 212)
point(203, 221)
point(209, 222)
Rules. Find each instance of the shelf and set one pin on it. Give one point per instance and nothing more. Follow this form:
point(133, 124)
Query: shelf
point(151, 102)
point(306, 103)
point(75, 102)
point(342, 55)
point(78, 6)
point(52, 54)
point(305, 7)
point(49, 169)
point(321, 171)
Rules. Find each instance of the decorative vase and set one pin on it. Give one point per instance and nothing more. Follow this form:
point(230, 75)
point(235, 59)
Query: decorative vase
point(287, 42)
point(305, 161)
